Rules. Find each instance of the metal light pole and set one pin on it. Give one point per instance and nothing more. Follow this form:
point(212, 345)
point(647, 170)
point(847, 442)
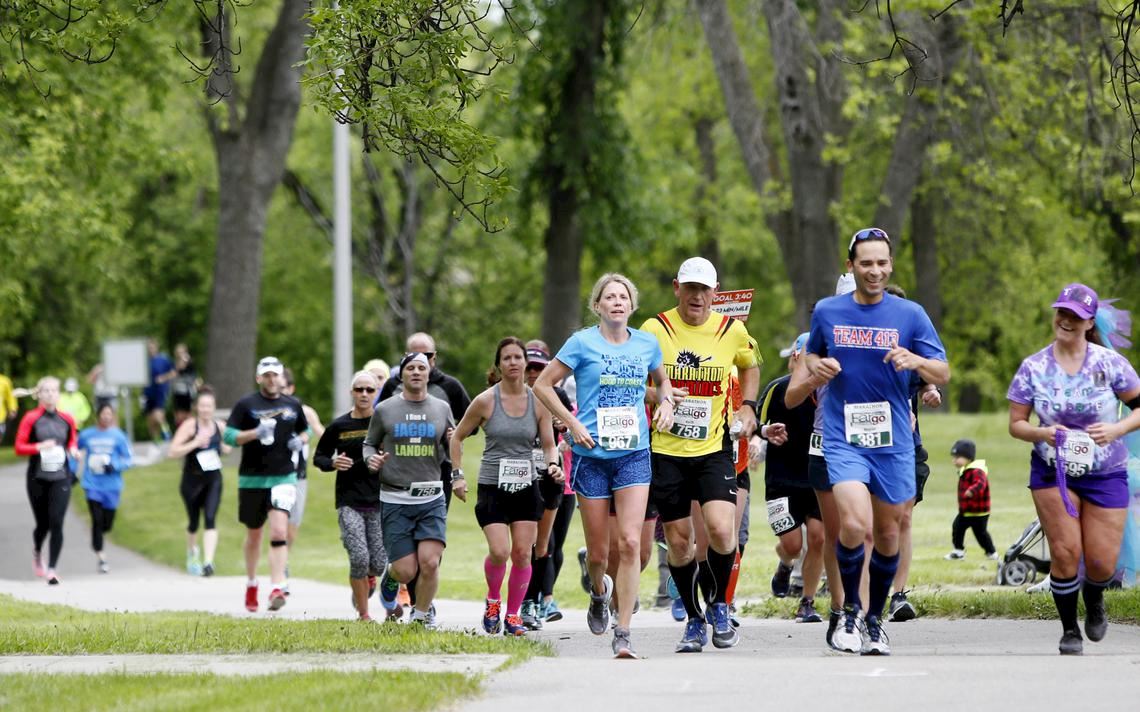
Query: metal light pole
point(342, 268)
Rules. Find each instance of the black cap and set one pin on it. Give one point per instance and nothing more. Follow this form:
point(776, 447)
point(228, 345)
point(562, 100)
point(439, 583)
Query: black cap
point(964, 448)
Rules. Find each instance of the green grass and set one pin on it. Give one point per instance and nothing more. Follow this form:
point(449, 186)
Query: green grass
point(8, 456)
point(312, 690)
point(151, 521)
point(33, 628)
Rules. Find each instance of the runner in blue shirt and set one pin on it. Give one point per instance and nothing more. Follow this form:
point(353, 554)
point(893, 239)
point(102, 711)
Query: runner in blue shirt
point(107, 452)
point(864, 345)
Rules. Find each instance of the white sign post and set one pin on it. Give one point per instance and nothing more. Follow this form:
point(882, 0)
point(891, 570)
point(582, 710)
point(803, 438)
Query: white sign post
point(125, 364)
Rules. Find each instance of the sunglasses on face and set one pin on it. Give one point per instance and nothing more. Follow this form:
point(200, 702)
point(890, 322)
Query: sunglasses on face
point(870, 233)
point(363, 389)
point(430, 354)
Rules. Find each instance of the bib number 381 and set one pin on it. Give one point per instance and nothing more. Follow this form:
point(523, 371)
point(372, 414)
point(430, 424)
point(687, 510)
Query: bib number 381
point(619, 428)
point(868, 425)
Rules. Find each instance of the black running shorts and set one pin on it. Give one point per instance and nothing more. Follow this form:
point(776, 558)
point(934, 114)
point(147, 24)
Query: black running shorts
point(678, 481)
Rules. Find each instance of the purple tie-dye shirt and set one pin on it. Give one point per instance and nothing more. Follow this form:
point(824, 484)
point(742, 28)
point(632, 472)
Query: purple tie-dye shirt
point(1077, 401)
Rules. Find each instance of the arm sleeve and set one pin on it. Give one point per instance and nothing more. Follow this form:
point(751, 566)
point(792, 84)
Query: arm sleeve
point(24, 444)
point(302, 423)
point(1124, 379)
point(322, 456)
point(234, 423)
point(124, 458)
point(73, 436)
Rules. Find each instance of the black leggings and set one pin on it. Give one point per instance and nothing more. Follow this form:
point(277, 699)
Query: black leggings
point(557, 540)
point(49, 506)
point(978, 524)
point(102, 519)
point(202, 494)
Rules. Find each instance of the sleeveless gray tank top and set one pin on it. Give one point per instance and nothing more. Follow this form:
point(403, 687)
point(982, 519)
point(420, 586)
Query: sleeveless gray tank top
point(507, 438)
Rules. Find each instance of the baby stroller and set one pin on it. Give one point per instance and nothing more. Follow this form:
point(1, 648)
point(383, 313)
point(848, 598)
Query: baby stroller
point(1027, 557)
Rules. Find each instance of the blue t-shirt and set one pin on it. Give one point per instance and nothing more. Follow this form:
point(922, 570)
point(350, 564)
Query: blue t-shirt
point(159, 365)
point(108, 454)
point(859, 336)
point(610, 376)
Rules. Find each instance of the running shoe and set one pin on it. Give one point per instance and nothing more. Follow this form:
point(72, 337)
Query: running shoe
point(598, 615)
point(276, 599)
point(427, 620)
point(901, 609)
point(796, 585)
point(832, 623)
point(208, 569)
point(621, 645)
point(875, 640)
point(806, 613)
point(404, 597)
point(531, 618)
point(514, 626)
point(1096, 622)
point(105, 568)
point(732, 615)
point(552, 611)
point(38, 564)
point(587, 586)
point(992, 556)
point(678, 610)
point(1072, 643)
point(193, 563)
point(695, 637)
point(848, 637)
point(389, 592)
point(251, 598)
point(491, 618)
point(371, 586)
point(724, 635)
point(781, 580)
point(52, 578)
point(955, 555)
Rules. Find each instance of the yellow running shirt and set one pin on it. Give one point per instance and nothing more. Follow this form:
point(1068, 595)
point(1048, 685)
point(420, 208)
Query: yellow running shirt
point(700, 359)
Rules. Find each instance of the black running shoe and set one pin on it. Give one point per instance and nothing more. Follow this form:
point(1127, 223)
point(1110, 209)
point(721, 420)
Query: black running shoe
point(1096, 622)
point(782, 580)
point(1072, 643)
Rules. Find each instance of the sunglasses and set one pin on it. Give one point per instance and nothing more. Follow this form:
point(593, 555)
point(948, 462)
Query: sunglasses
point(363, 389)
point(869, 233)
point(430, 354)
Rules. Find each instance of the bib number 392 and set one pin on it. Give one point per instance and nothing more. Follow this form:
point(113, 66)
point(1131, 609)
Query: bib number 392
point(619, 428)
point(868, 425)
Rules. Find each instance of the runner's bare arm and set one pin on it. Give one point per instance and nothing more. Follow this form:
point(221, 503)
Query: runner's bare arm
point(1104, 433)
point(801, 385)
point(663, 415)
point(472, 419)
point(750, 388)
point(1022, 429)
point(554, 372)
point(549, 445)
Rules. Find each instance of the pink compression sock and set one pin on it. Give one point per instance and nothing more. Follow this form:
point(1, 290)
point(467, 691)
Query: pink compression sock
point(516, 588)
point(495, 574)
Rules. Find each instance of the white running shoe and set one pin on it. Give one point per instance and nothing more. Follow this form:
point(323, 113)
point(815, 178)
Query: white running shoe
point(848, 637)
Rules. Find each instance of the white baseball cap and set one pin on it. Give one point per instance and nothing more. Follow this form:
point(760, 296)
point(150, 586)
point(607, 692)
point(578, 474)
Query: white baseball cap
point(845, 284)
point(698, 270)
point(269, 364)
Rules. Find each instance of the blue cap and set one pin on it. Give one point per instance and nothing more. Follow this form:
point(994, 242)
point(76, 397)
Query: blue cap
point(797, 346)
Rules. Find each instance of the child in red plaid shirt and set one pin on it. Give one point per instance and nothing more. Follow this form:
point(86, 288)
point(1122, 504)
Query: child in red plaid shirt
point(973, 501)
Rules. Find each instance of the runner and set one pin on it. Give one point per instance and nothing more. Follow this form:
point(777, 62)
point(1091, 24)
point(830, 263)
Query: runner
point(198, 441)
point(693, 461)
point(8, 404)
point(539, 605)
point(1078, 467)
point(106, 453)
point(184, 386)
point(268, 426)
point(407, 444)
point(610, 363)
point(341, 449)
point(509, 503)
point(301, 458)
point(379, 368)
point(792, 504)
point(865, 345)
point(47, 437)
point(162, 372)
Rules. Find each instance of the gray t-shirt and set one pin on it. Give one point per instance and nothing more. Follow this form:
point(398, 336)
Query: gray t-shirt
point(414, 433)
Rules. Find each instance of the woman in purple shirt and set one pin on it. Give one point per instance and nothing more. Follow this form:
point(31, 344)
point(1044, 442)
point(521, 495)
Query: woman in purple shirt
point(1078, 467)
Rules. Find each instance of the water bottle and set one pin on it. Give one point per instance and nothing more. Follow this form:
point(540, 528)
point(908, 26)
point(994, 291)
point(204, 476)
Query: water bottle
point(268, 440)
point(736, 431)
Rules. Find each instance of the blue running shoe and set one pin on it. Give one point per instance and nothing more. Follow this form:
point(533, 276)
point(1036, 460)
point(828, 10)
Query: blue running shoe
point(724, 635)
point(678, 610)
point(695, 638)
point(671, 588)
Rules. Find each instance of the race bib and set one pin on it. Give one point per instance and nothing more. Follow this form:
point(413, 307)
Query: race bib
point(619, 428)
point(98, 464)
point(868, 425)
point(425, 490)
point(283, 497)
point(209, 460)
point(779, 516)
point(52, 459)
point(515, 475)
point(691, 419)
point(815, 444)
point(1077, 453)
point(538, 458)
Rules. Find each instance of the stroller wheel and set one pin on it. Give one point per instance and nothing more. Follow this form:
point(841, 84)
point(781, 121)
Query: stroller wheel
point(1017, 573)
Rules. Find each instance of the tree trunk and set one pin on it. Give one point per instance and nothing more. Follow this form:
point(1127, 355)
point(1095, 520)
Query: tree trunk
point(574, 114)
point(928, 275)
point(251, 162)
point(707, 244)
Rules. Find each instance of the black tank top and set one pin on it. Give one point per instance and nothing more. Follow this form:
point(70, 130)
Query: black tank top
point(190, 464)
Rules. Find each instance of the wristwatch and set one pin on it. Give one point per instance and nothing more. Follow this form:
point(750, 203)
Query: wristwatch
point(554, 464)
point(753, 405)
point(457, 474)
